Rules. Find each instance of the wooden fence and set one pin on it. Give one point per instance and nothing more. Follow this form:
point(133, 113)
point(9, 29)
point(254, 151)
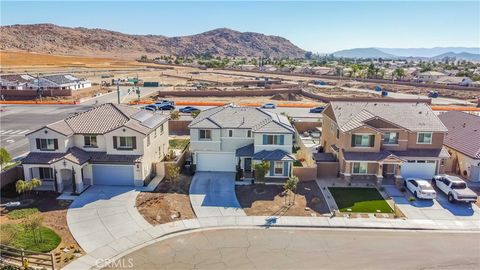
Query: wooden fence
point(20, 257)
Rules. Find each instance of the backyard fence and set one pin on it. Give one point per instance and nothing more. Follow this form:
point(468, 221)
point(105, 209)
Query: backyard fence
point(20, 258)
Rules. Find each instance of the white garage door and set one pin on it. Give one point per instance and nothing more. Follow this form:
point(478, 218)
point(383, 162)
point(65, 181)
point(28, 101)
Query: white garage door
point(216, 162)
point(422, 169)
point(113, 175)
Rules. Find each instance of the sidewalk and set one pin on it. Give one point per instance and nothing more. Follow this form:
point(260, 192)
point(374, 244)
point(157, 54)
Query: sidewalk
point(101, 256)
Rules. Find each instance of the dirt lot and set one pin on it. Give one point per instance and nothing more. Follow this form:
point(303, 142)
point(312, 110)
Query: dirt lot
point(55, 217)
point(169, 202)
point(268, 200)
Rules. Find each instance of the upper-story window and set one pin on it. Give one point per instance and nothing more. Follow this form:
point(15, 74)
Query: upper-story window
point(124, 143)
point(161, 129)
point(363, 140)
point(249, 133)
point(230, 133)
point(154, 133)
point(390, 138)
point(90, 141)
point(273, 139)
point(47, 144)
point(148, 140)
point(424, 137)
point(205, 134)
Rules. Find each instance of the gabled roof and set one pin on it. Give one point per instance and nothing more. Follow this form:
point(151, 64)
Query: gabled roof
point(463, 132)
point(108, 117)
point(410, 116)
point(230, 116)
point(274, 155)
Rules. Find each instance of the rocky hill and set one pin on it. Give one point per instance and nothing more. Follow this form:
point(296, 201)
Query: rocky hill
point(53, 39)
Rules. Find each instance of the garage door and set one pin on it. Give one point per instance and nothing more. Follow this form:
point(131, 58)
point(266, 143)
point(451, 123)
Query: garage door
point(111, 175)
point(216, 162)
point(422, 169)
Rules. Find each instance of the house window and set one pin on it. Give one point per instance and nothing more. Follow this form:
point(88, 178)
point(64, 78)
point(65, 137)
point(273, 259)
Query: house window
point(363, 140)
point(90, 141)
point(249, 133)
point(424, 138)
point(148, 140)
point(205, 134)
point(126, 142)
point(155, 133)
point(390, 138)
point(45, 173)
point(273, 139)
point(47, 144)
point(230, 133)
point(360, 168)
point(161, 129)
point(278, 168)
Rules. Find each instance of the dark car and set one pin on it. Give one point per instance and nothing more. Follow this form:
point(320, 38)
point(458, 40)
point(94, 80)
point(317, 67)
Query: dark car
point(150, 108)
point(317, 109)
point(189, 110)
point(164, 107)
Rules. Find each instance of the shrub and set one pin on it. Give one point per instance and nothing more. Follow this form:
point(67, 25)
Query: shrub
point(412, 199)
point(172, 172)
point(22, 213)
point(175, 115)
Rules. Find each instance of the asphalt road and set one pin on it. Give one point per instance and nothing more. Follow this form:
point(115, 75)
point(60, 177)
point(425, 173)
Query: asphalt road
point(308, 249)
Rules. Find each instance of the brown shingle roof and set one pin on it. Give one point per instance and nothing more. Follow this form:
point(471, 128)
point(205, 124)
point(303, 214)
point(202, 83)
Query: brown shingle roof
point(463, 132)
point(411, 116)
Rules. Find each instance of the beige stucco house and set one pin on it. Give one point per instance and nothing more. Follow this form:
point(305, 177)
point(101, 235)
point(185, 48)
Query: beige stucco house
point(107, 145)
point(383, 139)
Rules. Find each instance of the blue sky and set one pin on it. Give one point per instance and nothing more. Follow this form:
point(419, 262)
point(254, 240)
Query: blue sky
point(316, 26)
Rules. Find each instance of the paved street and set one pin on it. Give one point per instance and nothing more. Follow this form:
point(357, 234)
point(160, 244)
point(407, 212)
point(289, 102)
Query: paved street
point(309, 249)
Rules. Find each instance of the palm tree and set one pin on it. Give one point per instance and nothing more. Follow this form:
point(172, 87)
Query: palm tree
point(21, 186)
point(291, 186)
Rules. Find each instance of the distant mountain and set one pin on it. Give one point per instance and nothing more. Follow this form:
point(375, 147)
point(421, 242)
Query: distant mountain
point(428, 52)
point(463, 53)
point(363, 53)
point(54, 39)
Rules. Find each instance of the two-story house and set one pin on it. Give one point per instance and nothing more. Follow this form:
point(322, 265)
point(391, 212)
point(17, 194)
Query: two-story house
point(107, 145)
point(384, 139)
point(230, 137)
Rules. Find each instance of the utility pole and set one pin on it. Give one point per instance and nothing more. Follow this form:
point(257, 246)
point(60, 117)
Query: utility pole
point(118, 91)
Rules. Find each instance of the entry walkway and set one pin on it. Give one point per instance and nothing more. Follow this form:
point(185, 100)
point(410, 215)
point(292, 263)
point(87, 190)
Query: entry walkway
point(212, 194)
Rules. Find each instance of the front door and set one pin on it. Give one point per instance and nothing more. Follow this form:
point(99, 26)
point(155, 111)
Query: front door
point(248, 165)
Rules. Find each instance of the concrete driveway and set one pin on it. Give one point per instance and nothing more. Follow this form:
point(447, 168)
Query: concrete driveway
point(212, 194)
point(103, 214)
point(438, 209)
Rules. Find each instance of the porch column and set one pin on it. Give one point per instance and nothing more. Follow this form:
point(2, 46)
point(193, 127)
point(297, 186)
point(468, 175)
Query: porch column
point(379, 173)
point(78, 179)
point(58, 180)
point(398, 175)
point(347, 172)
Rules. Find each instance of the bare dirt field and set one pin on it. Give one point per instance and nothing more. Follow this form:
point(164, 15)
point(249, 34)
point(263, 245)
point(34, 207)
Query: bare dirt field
point(269, 200)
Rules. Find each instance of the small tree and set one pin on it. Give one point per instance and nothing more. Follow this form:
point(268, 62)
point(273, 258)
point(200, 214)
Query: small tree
point(4, 157)
point(24, 187)
point(175, 115)
point(291, 186)
point(260, 170)
point(172, 172)
point(33, 223)
point(195, 114)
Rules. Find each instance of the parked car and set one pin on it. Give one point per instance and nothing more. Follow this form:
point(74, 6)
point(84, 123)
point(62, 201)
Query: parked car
point(269, 106)
point(433, 94)
point(188, 109)
point(455, 188)
point(150, 108)
point(317, 109)
point(165, 101)
point(420, 188)
point(164, 107)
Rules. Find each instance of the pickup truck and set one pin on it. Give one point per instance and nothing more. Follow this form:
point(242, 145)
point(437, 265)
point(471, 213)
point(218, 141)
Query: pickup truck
point(455, 188)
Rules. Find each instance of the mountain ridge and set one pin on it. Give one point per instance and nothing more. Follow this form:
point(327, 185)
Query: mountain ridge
point(464, 53)
point(54, 39)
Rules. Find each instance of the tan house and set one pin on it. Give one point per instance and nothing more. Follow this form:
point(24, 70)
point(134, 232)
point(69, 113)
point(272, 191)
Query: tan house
point(384, 139)
point(108, 145)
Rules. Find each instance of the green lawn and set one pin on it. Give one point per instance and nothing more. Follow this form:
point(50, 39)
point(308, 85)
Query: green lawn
point(359, 200)
point(178, 143)
point(15, 235)
point(22, 213)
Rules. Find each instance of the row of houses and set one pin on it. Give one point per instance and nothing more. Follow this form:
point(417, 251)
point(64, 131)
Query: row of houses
point(44, 82)
point(120, 145)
